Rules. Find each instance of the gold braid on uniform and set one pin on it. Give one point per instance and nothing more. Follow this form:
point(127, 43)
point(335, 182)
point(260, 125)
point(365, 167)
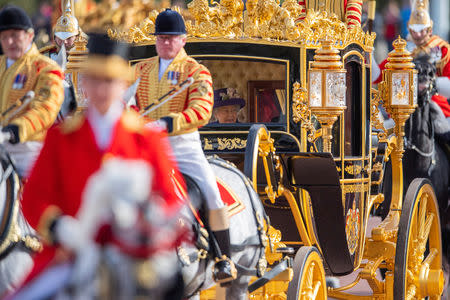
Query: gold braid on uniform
point(41, 75)
point(187, 111)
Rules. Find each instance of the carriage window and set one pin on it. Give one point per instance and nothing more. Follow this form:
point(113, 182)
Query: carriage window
point(247, 90)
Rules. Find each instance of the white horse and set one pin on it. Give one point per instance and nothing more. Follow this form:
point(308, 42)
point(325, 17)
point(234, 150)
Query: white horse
point(247, 238)
point(17, 238)
point(118, 195)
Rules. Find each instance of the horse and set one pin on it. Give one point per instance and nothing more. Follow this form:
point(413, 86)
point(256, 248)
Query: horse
point(426, 132)
point(17, 239)
point(177, 270)
point(247, 236)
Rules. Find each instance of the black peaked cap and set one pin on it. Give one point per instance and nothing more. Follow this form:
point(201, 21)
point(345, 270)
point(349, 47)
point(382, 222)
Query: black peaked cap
point(169, 22)
point(13, 17)
point(101, 44)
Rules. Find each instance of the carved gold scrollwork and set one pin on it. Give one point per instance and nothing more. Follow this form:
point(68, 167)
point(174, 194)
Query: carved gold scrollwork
point(230, 144)
point(376, 122)
point(207, 145)
point(262, 19)
point(353, 169)
point(301, 112)
point(355, 188)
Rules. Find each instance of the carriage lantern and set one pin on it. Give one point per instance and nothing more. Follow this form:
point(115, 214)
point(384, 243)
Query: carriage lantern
point(327, 89)
point(399, 86)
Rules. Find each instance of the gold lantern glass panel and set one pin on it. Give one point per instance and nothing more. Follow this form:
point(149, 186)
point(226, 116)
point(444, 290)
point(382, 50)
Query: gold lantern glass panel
point(315, 88)
point(400, 88)
point(336, 89)
point(327, 89)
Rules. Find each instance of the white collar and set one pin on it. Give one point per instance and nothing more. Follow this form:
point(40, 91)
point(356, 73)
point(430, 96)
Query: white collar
point(10, 62)
point(103, 125)
point(163, 65)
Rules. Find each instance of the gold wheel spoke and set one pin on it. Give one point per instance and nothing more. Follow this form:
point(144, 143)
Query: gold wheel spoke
point(426, 231)
point(309, 276)
point(422, 214)
point(316, 289)
point(431, 256)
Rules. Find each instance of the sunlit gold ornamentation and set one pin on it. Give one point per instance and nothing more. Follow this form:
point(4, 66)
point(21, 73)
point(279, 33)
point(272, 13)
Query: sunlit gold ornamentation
point(353, 169)
point(376, 122)
point(207, 145)
point(231, 144)
point(352, 228)
point(263, 19)
point(301, 111)
point(355, 188)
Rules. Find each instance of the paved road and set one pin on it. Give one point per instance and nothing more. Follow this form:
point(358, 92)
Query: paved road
point(362, 288)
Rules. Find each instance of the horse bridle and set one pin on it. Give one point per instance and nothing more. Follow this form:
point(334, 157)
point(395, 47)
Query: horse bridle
point(408, 140)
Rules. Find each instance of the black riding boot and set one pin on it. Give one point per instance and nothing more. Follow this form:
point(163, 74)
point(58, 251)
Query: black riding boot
point(224, 270)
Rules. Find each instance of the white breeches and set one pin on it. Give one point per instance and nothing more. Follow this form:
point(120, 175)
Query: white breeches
point(24, 155)
point(191, 161)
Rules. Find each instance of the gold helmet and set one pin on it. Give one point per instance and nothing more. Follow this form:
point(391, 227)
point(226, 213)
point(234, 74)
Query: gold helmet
point(66, 25)
point(420, 17)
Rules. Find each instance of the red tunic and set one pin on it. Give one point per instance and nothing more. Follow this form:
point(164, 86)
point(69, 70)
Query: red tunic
point(70, 156)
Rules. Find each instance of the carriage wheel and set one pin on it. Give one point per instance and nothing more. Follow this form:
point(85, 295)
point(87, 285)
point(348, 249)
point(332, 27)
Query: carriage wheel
point(259, 154)
point(418, 258)
point(309, 276)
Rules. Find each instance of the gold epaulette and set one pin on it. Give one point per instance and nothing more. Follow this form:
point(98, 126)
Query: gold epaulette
point(72, 124)
point(47, 48)
point(132, 121)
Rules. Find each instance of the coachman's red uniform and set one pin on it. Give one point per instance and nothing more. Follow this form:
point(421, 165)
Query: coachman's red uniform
point(70, 156)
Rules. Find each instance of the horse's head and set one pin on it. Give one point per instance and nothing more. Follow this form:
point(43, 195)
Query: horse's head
point(426, 77)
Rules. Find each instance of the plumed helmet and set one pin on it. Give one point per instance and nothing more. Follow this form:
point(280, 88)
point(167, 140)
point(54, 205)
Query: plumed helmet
point(13, 17)
point(420, 17)
point(67, 25)
point(169, 22)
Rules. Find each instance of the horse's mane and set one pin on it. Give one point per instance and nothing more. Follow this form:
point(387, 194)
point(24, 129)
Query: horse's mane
point(426, 65)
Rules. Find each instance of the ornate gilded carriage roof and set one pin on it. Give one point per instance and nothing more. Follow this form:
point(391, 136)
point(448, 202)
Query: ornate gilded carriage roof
point(263, 20)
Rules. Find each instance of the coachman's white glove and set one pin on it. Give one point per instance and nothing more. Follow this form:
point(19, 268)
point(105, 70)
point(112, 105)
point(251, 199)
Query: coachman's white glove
point(5, 136)
point(69, 234)
point(443, 86)
point(158, 124)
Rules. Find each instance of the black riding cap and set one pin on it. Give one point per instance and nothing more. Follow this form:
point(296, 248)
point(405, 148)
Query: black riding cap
point(107, 58)
point(169, 22)
point(101, 44)
point(13, 17)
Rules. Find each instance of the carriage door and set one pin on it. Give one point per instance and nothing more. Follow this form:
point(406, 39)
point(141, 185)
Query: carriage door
point(354, 165)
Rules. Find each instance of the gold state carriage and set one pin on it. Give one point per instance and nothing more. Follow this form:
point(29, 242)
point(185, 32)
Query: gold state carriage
point(311, 142)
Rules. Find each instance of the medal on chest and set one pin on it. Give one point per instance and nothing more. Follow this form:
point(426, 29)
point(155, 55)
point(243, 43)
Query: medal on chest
point(19, 81)
point(173, 77)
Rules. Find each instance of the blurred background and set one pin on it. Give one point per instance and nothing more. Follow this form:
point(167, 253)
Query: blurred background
point(391, 18)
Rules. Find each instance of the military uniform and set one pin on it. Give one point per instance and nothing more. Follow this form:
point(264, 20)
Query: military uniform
point(182, 116)
point(31, 72)
point(54, 192)
point(66, 27)
point(435, 47)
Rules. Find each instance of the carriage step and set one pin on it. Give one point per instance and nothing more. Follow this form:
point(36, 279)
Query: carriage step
point(286, 250)
point(271, 274)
